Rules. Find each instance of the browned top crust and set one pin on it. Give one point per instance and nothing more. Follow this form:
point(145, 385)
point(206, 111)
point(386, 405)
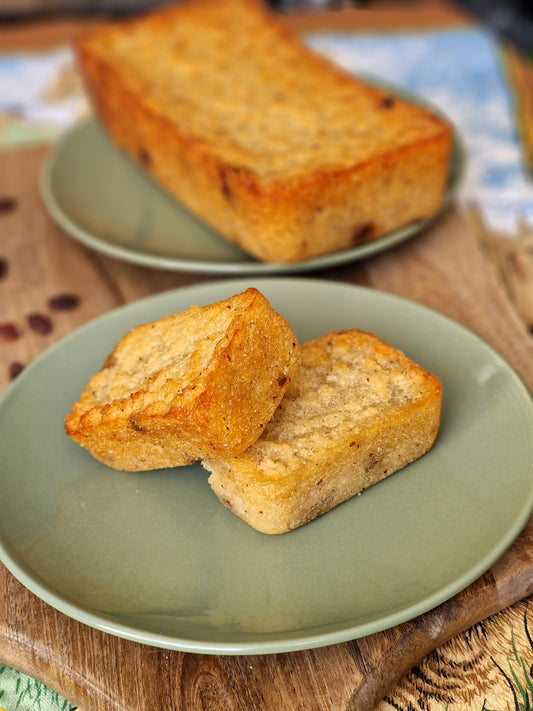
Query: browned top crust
point(202, 382)
point(357, 411)
point(279, 150)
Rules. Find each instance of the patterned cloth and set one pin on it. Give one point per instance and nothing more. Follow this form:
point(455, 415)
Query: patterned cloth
point(20, 693)
point(40, 96)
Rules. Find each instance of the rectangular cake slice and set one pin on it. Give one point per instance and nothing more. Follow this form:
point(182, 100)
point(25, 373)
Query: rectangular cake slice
point(276, 148)
point(357, 411)
point(198, 383)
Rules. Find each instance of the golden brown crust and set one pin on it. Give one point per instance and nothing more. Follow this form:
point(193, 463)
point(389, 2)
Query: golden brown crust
point(256, 154)
point(357, 411)
point(203, 382)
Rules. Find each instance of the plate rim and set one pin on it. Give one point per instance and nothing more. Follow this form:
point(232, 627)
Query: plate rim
point(296, 641)
point(248, 266)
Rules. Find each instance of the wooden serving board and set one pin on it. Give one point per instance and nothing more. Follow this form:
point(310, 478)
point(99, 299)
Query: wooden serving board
point(443, 268)
point(103, 673)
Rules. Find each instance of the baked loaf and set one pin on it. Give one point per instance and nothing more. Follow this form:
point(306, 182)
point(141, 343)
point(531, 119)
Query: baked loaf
point(281, 152)
point(200, 383)
point(356, 411)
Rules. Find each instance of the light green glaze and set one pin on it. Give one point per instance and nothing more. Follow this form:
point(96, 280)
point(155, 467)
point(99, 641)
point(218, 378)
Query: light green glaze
point(154, 557)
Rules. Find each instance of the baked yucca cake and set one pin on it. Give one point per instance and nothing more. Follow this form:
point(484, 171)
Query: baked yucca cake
point(357, 411)
point(276, 148)
point(200, 383)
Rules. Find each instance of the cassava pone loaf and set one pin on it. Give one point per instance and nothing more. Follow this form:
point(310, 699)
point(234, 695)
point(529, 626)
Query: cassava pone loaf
point(199, 383)
point(356, 411)
point(277, 149)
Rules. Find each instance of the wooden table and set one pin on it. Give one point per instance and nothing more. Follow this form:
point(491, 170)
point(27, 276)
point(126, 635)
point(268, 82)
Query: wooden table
point(444, 268)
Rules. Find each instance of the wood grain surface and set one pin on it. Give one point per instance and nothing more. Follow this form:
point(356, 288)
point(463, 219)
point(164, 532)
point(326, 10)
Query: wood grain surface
point(444, 268)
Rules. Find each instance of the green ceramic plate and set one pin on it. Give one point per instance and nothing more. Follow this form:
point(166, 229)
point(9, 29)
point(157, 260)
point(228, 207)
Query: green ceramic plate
point(154, 557)
point(101, 198)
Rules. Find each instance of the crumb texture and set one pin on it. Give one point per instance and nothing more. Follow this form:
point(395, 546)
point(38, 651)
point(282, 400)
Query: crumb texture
point(248, 112)
point(277, 149)
point(171, 352)
point(196, 383)
point(357, 411)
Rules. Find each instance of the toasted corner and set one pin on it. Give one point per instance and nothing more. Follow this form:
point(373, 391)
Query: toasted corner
point(202, 382)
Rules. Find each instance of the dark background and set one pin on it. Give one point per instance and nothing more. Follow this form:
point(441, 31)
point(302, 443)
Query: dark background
point(510, 19)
